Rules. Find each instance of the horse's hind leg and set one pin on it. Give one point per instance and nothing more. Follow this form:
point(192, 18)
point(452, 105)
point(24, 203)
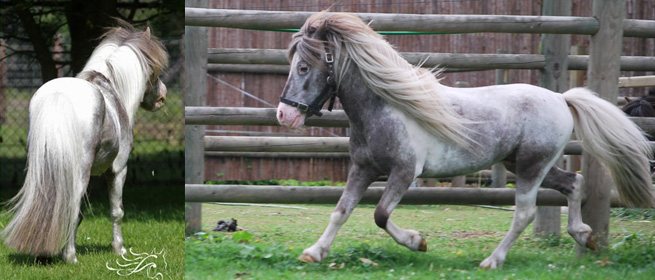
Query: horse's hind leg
point(358, 180)
point(570, 184)
point(397, 186)
point(68, 253)
point(116, 181)
point(530, 172)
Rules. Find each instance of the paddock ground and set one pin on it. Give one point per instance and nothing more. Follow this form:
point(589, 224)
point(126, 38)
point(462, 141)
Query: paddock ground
point(153, 222)
point(458, 237)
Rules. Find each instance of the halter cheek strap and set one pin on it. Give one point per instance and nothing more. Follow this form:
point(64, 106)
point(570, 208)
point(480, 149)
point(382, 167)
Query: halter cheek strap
point(330, 89)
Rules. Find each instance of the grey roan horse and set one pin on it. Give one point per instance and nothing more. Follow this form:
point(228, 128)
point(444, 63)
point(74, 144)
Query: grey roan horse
point(81, 127)
point(404, 123)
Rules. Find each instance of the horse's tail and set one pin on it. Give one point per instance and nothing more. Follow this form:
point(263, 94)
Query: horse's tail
point(608, 134)
point(46, 208)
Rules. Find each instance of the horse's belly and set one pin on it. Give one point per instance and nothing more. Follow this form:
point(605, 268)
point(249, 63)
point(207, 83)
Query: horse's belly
point(108, 148)
point(103, 160)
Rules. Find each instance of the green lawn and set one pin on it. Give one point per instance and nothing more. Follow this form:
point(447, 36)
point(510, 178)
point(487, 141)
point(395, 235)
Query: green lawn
point(458, 237)
point(153, 222)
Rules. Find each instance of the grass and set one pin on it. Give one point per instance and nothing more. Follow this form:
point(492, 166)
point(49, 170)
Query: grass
point(459, 237)
point(153, 221)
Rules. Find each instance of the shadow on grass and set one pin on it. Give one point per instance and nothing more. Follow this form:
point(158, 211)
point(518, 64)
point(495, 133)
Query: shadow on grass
point(165, 167)
point(27, 260)
point(143, 203)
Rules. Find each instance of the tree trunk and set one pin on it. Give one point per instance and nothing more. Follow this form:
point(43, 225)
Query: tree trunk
point(43, 55)
point(87, 21)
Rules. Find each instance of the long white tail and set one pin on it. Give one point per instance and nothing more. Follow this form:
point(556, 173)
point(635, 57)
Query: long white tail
point(46, 208)
point(617, 142)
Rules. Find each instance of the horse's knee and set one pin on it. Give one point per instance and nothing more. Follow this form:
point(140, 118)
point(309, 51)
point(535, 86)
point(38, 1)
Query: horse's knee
point(381, 217)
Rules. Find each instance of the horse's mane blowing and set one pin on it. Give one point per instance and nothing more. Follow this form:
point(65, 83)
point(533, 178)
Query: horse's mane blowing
point(409, 88)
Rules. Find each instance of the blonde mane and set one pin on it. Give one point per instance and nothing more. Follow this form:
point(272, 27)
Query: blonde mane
point(408, 88)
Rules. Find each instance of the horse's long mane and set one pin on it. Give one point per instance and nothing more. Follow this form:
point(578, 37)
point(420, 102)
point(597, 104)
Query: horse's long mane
point(115, 56)
point(413, 90)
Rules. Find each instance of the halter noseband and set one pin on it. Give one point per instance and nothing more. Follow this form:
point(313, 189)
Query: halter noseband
point(330, 89)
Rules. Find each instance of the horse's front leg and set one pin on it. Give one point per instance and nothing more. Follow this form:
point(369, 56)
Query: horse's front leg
point(359, 178)
point(397, 186)
point(526, 208)
point(116, 181)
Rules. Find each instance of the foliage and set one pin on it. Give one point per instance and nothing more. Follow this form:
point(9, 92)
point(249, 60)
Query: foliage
point(632, 213)
point(278, 182)
point(79, 24)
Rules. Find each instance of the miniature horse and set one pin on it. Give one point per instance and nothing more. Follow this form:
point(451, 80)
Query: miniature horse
point(404, 123)
point(81, 127)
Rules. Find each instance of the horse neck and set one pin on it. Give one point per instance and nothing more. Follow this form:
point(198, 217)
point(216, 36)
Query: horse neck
point(124, 68)
point(359, 102)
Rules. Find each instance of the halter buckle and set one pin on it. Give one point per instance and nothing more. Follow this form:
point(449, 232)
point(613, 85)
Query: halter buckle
point(302, 107)
point(329, 58)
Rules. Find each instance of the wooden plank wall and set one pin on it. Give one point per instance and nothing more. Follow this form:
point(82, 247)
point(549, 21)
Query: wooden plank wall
point(268, 87)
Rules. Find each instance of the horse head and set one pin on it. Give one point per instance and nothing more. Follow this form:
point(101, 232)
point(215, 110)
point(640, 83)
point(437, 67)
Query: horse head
point(154, 96)
point(312, 81)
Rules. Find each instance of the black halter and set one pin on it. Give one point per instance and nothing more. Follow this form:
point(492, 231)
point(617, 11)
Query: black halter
point(314, 108)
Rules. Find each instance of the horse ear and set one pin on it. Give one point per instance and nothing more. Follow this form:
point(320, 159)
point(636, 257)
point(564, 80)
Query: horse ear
point(627, 99)
point(321, 31)
point(147, 33)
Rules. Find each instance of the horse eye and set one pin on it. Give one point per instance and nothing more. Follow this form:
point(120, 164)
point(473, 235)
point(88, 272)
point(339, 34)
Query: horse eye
point(303, 69)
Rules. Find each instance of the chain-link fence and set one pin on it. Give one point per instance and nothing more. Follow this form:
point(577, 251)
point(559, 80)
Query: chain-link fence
point(158, 153)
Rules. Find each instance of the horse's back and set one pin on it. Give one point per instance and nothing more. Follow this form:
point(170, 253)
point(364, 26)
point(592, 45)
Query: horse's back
point(503, 120)
point(68, 108)
point(84, 99)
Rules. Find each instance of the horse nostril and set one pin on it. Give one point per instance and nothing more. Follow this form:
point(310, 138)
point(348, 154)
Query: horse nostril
point(280, 114)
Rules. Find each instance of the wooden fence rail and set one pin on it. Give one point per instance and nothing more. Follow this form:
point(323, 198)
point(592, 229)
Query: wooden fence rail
point(308, 144)
point(443, 60)
point(330, 195)
point(266, 117)
point(254, 116)
point(281, 20)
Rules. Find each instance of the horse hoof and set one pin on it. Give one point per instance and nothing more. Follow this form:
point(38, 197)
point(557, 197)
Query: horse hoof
point(423, 247)
point(591, 244)
point(306, 258)
point(490, 263)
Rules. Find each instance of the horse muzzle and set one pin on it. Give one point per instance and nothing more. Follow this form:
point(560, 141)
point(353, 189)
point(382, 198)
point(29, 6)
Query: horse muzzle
point(290, 116)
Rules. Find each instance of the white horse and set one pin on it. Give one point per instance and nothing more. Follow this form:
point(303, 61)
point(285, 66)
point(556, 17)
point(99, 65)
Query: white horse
point(404, 123)
point(80, 127)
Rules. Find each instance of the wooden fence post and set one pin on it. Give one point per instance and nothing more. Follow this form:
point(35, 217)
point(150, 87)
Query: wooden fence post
point(195, 94)
point(603, 76)
point(554, 77)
